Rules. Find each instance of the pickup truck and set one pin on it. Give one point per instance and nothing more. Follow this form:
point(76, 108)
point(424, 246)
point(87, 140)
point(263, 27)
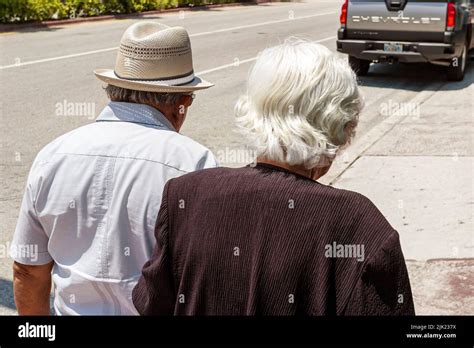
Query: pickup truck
point(409, 31)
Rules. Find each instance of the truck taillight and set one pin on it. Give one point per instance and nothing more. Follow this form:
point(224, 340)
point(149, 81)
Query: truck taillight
point(451, 16)
point(343, 17)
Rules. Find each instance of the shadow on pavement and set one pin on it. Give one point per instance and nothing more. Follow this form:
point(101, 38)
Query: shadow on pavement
point(6, 294)
point(22, 28)
point(415, 77)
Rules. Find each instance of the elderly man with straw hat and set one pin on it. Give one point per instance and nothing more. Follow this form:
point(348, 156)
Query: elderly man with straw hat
point(88, 214)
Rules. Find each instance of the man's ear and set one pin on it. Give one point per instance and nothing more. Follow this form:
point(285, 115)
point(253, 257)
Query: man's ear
point(186, 100)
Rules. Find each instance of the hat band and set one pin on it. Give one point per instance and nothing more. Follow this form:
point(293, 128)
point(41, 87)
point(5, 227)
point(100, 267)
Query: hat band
point(170, 81)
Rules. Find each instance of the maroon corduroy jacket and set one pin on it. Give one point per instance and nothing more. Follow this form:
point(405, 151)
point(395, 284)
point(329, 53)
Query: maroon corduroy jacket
point(265, 241)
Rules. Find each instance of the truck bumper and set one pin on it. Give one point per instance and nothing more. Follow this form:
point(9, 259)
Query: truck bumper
point(436, 53)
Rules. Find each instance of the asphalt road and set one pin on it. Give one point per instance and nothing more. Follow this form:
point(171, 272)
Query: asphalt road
point(43, 67)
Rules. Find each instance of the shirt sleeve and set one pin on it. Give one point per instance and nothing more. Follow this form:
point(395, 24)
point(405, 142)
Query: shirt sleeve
point(154, 294)
point(30, 242)
point(384, 286)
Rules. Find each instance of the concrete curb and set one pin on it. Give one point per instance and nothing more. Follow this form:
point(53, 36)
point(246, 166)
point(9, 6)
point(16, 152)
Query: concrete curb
point(361, 145)
point(52, 23)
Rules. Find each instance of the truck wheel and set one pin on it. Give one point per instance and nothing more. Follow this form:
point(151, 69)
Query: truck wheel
point(458, 66)
point(360, 66)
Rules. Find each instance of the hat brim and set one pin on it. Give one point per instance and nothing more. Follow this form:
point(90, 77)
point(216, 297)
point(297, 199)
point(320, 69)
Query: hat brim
point(108, 76)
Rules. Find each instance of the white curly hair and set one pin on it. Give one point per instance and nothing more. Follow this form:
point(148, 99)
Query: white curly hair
point(302, 104)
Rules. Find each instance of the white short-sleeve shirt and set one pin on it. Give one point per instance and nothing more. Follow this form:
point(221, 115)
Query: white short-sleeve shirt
point(91, 203)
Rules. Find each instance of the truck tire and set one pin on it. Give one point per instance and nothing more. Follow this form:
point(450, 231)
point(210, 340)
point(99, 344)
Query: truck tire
point(458, 66)
point(360, 66)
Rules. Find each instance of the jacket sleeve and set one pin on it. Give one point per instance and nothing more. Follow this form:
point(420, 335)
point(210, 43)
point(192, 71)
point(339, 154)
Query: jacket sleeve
point(384, 286)
point(154, 294)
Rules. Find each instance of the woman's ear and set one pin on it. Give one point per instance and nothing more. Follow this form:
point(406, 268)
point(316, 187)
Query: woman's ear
point(349, 131)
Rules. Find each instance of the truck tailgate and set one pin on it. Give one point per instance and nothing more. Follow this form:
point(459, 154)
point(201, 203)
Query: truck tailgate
point(416, 20)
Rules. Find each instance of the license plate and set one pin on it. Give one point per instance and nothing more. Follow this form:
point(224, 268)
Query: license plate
point(393, 47)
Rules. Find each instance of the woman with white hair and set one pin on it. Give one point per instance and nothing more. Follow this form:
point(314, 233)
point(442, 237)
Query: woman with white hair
point(268, 239)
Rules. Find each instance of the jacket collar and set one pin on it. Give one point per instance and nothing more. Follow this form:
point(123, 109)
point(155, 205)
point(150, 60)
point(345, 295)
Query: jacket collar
point(135, 113)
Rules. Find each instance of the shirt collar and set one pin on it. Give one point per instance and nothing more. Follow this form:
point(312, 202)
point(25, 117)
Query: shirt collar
point(135, 113)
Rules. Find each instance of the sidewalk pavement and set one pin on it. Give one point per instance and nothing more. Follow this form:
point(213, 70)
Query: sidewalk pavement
point(417, 166)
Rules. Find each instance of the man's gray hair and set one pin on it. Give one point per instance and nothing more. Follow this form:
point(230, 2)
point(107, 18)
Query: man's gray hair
point(302, 104)
point(120, 94)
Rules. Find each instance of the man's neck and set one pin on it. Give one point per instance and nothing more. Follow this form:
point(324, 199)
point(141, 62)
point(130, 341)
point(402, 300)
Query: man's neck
point(168, 113)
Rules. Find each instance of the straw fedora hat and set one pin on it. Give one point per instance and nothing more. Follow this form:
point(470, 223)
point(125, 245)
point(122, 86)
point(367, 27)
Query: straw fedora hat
point(155, 58)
